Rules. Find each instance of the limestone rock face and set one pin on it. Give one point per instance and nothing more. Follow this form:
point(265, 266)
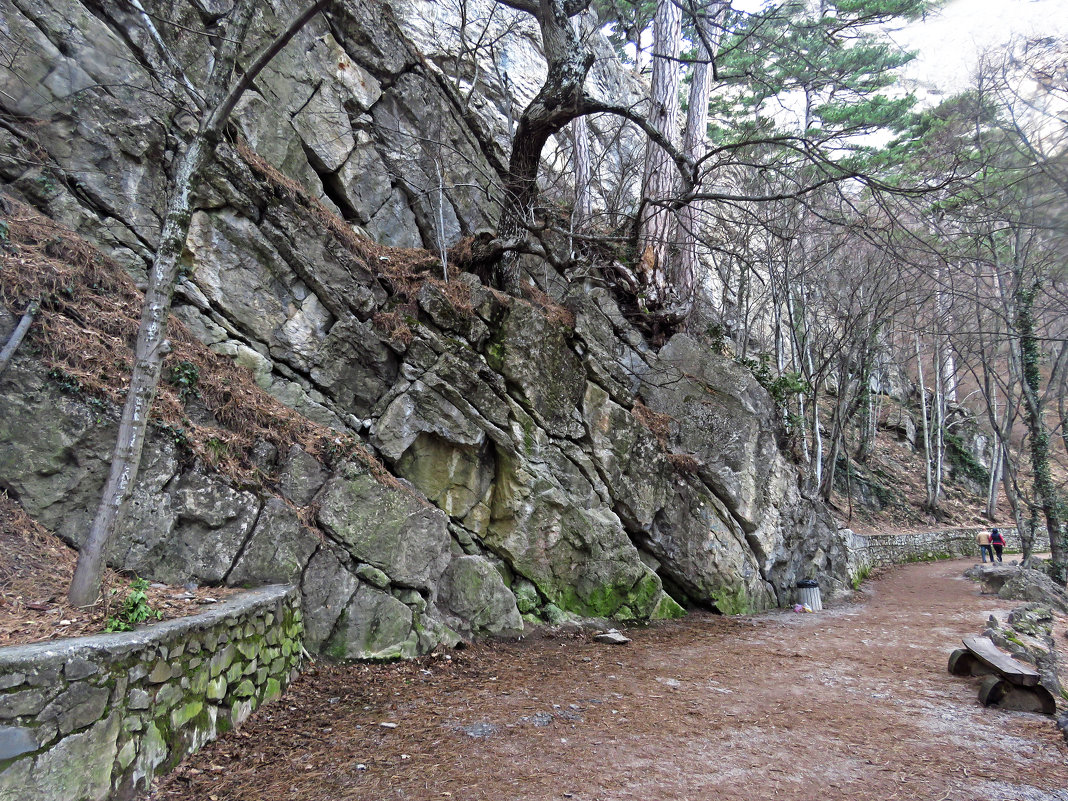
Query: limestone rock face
point(472, 588)
point(391, 530)
point(551, 462)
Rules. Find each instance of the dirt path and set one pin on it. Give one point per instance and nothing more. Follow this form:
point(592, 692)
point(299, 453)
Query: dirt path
point(851, 703)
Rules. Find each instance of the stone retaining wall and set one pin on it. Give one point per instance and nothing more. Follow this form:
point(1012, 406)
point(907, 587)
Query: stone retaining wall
point(876, 550)
point(97, 717)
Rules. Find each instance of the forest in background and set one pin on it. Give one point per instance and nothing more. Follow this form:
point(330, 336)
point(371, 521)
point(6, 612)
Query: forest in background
point(867, 258)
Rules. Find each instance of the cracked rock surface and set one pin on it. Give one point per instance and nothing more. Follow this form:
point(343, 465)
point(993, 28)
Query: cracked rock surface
point(535, 486)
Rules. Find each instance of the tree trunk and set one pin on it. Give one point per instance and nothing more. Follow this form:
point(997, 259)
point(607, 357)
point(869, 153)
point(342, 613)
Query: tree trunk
point(560, 101)
point(928, 478)
point(656, 225)
point(685, 274)
point(17, 336)
point(995, 477)
point(1045, 490)
point(149, 351)
point(938, 432)
point(580, 138)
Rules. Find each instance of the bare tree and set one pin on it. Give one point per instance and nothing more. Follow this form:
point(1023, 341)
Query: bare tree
point(222, 92)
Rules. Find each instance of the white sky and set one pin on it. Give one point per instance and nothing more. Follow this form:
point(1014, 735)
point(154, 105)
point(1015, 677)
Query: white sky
point(949, 42)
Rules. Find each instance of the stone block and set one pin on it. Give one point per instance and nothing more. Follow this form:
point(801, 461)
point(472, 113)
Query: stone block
point(127, 754)
point(9, 680)
point(241, 710)
point(373, 576)
point(185, 713)
point(76, 707)
point(236, 671)
point(221, 661)
point(132, 724)
point(23, 702)
point(160, 673)
point(153, 750)
point(44, 676)
point(199, 683)
point(272, 690)
point(78, 767)
point(138, 699)
point(168, 696)
point(245, 689)
point(16, 741)
point(216, 689)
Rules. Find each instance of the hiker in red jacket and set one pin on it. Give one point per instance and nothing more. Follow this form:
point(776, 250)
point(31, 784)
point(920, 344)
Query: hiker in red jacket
point(998, 541)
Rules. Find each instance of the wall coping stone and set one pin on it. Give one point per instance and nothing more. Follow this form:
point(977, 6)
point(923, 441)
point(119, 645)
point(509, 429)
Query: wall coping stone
point(97, 717)
point(15, 658)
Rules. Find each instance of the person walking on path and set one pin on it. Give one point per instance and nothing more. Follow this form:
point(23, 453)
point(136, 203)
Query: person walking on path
point(983, 538)
point(998, 541)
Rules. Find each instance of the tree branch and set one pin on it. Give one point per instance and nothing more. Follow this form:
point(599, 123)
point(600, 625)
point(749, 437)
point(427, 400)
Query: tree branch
point(222, 111)
point(17, 337)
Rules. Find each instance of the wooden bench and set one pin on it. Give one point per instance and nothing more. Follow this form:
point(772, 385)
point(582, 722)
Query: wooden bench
point(1007, 683)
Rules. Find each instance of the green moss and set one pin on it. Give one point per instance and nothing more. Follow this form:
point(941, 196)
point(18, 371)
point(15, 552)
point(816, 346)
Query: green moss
point(860, 577)
point(732, 602)
point(613, 601)
point(528, 435)
point(335, 649)
point(184, 714)
point(495, 355)
point(645, 596)
point(961, 458)
point(554, 614)
point(272, 691)
point(667, 609)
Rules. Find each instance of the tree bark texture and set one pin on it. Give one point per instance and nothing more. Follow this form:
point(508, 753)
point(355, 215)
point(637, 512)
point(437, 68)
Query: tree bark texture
point(1045, 490)
point(695, 136)
point(656, 225)
point(580, 140)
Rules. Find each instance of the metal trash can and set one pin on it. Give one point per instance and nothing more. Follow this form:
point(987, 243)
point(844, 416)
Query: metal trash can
point(808, 593)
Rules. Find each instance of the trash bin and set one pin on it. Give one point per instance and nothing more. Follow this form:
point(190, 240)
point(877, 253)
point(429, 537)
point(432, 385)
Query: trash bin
point(808, 593)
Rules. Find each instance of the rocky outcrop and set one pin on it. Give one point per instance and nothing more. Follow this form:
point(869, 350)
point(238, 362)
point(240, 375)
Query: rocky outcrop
point(553, 464)
point(1027, 634)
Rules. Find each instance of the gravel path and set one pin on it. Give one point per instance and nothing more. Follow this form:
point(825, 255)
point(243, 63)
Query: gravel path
point(854, 702)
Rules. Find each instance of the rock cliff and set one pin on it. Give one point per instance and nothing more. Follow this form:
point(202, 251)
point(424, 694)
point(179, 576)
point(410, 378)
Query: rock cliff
point(555, 464)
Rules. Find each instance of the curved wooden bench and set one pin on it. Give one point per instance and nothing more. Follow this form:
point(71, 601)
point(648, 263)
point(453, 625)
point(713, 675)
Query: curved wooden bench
point(1008, 683)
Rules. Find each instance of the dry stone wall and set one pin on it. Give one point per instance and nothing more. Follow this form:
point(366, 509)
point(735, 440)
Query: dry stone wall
point(97, 717)
point(878, 550)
